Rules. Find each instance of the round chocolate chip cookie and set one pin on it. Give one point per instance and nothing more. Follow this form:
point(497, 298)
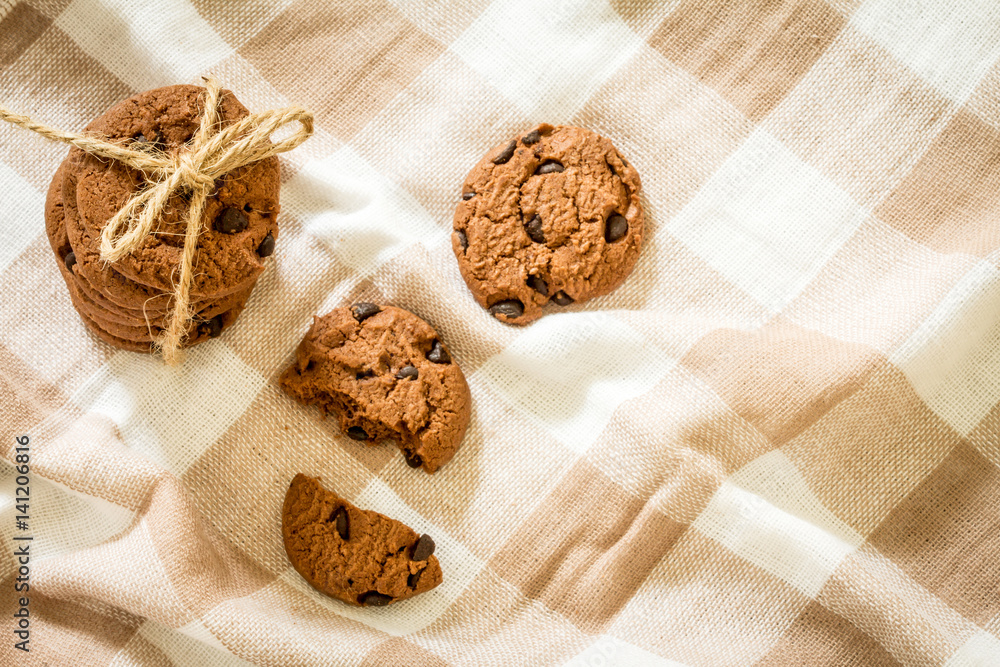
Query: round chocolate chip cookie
point(240, 217)
point(359, 556)
point(385, 373)
point(552, 217)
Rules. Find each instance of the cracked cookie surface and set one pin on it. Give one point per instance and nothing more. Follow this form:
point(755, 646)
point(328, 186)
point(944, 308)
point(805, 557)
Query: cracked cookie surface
point(359, 556)
point(553, 217)
point(386, 375)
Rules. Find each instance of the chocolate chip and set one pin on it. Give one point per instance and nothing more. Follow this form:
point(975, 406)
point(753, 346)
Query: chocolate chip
point(506, 154)
point(374, 599)
point(424, 548)
point(407, 373)
point(362, 375)
point(549, 167)
point(412, 459)
point(231, 221)
point(531, 138)
point(70, 260)
point(438, 354)
point(357, 433)
point(463, 240)
point(538, 284)
point(562, 299)
point(363, 310)
point(340, 522)
point(511, 308)
point(141, 143)
point(213, 327)
point(412, 580)
point(534, 229)
point(266, 247)
point(616, 228)
point(466, 196)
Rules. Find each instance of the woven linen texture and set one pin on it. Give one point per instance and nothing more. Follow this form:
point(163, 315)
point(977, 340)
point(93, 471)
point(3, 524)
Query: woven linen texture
point(775, 444)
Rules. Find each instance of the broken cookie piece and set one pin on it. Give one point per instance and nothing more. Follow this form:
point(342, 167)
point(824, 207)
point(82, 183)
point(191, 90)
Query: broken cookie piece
point(359, 556)
point(385, 373)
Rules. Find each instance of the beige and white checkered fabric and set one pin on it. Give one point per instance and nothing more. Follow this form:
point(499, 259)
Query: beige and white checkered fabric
point(776, 444)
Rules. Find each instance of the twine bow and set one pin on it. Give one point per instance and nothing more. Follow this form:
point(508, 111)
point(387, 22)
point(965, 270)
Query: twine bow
point(194, 168)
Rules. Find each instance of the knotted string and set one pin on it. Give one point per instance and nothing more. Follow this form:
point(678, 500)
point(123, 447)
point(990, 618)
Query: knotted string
point(194, 168)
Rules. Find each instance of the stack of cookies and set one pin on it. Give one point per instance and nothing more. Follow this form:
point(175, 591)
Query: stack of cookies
point(128, 303)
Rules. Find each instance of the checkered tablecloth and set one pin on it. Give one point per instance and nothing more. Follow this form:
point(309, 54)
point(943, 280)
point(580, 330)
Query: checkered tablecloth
point(776, 444)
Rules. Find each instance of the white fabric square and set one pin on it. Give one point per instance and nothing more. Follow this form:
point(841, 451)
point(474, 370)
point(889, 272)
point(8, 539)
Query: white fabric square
point(146, 45)
point(458, 563)
point(953, 359)
point(766, 514)
point(950, 44)
point(23, 208)
point(363, 218)
point(982, 650)
point(610, 651)
point(61, 520)
point(172, 414)
point(767, 221)
point(547, 58)
point(570, 371)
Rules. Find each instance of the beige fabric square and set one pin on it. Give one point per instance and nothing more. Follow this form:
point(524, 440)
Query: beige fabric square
point(781, 378)
point(586, 548)
point(73, 632)
point(677, 455)
point(681, 609)
point(883, 420)
point(675, 302)
point(236, 28)
point(948, 200)
point(821, 637)
point(520, 629)
point(986, 437)
point(505, 462)
point(869, 591)
point(21, 26)
point(88, 442)
point(398, 651)
point(293, 624)
point(25, 397)
point(752, 52)
point(944, 534)
point(867, 154)
point(309, 52)
point(894, 284)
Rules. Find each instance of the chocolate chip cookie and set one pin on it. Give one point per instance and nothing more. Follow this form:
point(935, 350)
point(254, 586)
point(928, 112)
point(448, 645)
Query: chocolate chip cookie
point(386, 374)
point(128, 303)
point(240, 215)
point(551, 217)
point(359, 556)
